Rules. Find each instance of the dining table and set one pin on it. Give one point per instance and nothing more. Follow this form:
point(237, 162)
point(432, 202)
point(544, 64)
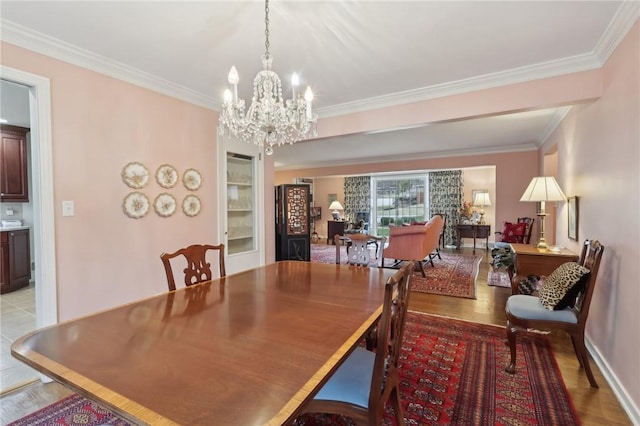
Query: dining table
point(246, 349)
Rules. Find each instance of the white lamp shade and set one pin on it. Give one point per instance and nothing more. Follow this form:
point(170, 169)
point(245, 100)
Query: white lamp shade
point(543, 188)
point(335, 205)
point(481, 199)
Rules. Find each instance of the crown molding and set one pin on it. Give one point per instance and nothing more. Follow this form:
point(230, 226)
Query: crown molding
point(553, 123)
point(625, 17)
point(488, 81)
point(413, 156)
point(41, 43)
point(622, 22)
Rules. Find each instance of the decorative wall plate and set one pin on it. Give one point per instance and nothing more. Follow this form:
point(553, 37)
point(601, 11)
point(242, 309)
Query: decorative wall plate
point(191, 179)
point(191, 205)
point(166, 176)
point(135, 175)
point(165, 205)
point(135, 205)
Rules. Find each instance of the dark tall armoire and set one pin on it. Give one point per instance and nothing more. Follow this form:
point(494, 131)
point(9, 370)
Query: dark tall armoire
point(293, 236)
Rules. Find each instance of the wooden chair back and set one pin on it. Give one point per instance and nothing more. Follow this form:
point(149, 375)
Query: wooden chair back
point(374, 373)
point(444, 228)
point(386, 371)
point(198, 269)
point(590, 258)
point(527, 231)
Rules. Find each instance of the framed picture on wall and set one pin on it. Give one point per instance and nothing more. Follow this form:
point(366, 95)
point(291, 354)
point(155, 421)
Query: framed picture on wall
point(572, 203)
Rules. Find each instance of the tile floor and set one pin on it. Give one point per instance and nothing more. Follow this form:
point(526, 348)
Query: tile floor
point(17, 318)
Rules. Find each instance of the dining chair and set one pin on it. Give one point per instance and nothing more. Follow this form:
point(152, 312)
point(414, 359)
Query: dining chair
point(358, 248)
point(363, 383)
point(198, 269)
point(563, 306)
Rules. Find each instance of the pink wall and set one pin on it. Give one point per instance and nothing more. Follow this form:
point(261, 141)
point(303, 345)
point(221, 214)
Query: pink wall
point(99, 124)
point(598, 160)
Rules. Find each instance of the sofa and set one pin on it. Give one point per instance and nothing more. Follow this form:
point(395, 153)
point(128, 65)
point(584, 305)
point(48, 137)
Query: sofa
point(414, 242)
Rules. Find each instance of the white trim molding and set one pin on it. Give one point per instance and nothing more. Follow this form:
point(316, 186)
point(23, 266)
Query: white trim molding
point(43, 203)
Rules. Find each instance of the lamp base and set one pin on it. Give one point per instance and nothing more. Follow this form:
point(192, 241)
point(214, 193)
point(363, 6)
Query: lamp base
point(542, 244)
point(336, 215)
point(481, 221)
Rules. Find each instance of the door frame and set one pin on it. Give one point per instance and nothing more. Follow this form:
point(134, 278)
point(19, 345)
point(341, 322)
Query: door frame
point(254, 258)
point(43, 202)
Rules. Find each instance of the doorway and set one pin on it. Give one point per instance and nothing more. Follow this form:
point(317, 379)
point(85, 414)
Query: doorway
point(41, 166)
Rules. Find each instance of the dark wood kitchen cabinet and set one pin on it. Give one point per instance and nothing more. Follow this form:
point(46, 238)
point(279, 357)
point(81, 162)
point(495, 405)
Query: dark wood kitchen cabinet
point(13, 164)
point(15, 260)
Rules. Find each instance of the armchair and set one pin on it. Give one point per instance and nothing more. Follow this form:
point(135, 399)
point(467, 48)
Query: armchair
point(417, 242)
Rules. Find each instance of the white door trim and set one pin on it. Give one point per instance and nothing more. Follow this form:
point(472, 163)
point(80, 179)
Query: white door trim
point(43, 203)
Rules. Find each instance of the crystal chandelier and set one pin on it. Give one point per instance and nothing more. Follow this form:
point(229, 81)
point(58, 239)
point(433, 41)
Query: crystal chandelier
point(269, 120)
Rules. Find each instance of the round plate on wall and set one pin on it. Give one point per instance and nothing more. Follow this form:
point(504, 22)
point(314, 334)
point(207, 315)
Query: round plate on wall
point(164, 205)
point(166, 176)
point(135, 175)
point(191, 179)
point(191, 205)
point(136, 205)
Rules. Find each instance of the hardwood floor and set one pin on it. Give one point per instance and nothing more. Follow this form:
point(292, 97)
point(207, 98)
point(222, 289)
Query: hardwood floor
point(595, 406)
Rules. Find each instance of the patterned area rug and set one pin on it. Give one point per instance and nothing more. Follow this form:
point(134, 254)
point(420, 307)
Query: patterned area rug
point(453, 275)
point(452, 373)
point(498, 278)
point(324, 253)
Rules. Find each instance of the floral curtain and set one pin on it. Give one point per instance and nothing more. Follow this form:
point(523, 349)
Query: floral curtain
point(446, 196)
point(357, 197)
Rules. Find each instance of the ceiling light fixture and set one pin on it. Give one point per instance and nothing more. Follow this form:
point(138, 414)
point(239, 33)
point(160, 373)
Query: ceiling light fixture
point(269, 120)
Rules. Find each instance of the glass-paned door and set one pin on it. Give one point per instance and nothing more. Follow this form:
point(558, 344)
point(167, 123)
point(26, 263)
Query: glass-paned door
point(397, 200)
point(240, 203)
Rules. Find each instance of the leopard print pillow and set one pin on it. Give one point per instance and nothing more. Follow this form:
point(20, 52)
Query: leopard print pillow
point(556, 286)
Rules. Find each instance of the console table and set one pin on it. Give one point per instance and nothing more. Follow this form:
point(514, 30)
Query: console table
point(530, 260)
point(472, 231)
point(334, 227)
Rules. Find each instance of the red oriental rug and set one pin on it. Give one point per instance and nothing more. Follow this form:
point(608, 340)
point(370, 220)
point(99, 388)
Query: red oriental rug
point(453, 275)
point(452, 373)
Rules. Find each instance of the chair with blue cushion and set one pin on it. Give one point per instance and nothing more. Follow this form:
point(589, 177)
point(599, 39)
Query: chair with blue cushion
point(364, 382)
point(562, 305)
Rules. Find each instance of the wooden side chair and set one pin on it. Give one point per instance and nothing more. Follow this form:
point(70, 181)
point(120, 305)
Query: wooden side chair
point(533, 312)
point(198, 269)
point(364, 382)
point(442, 234)
point(523, 237)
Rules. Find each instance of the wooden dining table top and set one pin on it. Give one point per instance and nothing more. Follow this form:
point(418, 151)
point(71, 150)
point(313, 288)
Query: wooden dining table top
point(246, 349)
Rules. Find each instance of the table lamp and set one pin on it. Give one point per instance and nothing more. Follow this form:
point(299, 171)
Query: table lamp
point(335, 206)
point(482, 200)
point(542, 189)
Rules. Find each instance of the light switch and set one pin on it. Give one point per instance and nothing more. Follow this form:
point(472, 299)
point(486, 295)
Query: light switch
point(68, 208)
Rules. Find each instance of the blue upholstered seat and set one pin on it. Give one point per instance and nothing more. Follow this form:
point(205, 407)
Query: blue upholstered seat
point(530, 307)
point(352, 381)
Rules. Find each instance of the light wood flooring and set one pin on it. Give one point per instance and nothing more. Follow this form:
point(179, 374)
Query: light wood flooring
point(594, 406)
point(17, 318)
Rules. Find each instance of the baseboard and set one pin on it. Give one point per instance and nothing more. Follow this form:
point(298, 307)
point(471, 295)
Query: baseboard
point(628, 405)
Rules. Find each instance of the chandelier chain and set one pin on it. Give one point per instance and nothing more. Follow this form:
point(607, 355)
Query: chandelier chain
point(266, 28)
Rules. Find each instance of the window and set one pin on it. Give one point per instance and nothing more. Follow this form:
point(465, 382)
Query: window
point(398, 199)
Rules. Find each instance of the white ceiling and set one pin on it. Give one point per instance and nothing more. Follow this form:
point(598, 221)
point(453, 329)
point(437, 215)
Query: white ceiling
point(356, 55)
